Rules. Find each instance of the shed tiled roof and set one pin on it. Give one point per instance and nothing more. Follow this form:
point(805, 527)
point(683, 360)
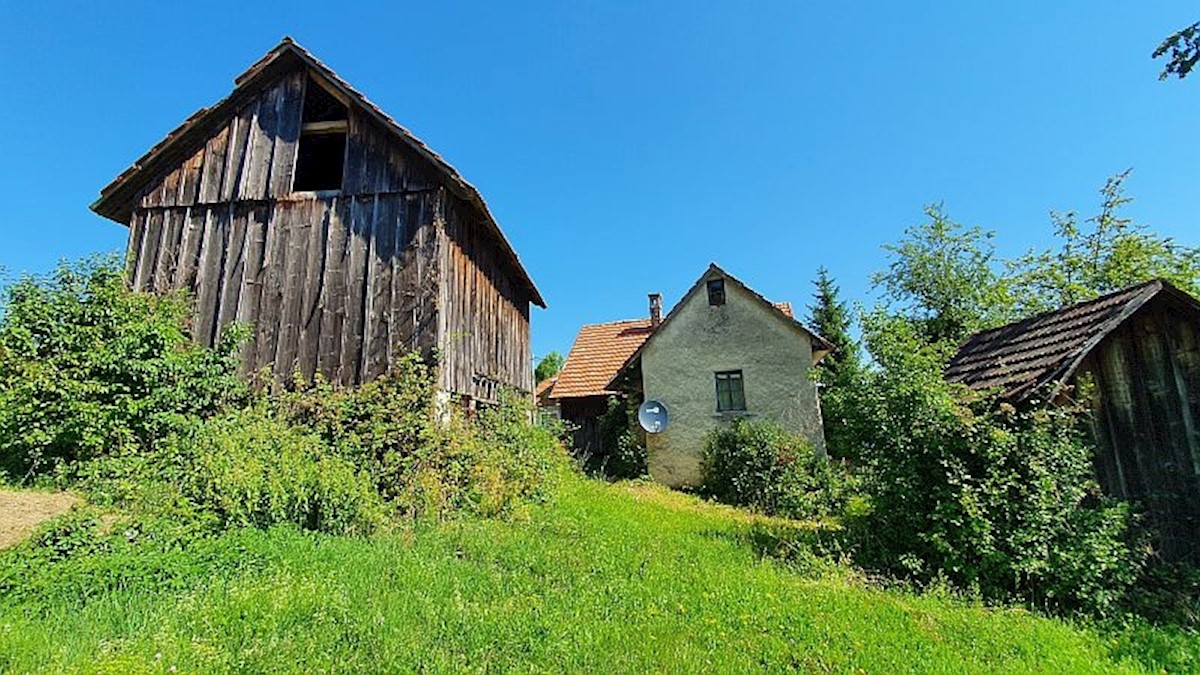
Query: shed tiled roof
point(1019, 358)
point(599, 351)
point(542, 392)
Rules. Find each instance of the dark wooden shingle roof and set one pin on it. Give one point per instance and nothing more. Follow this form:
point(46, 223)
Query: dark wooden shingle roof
point(1021, 357)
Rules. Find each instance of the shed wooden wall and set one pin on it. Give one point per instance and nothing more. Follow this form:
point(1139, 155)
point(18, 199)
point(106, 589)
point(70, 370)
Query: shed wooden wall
point(1147, 418)
point(341, 283)
point(485, 315)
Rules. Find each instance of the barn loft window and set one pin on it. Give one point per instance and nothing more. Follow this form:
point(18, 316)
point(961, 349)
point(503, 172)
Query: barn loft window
point(321, 157)
point(730, 394)
point(716, 292)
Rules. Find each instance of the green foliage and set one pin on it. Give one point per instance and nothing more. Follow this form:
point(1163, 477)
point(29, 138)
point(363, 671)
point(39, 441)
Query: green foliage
point(252, 469)
point(426, 464)
point(608, 578)
point(1110, 255)
point(760, 465)
point(88, 368)
point(942, 276)
point(840, 369)
point(830, 317)
point(622, 452)
point(549, 366)
point(1183, 46)
point(989, 498)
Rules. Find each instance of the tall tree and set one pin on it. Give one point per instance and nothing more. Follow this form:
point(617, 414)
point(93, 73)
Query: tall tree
point(1183, 48)
point(1105, 253)
point(840, 373)
point(942, 276)
point(549, 366)
point(829, 316)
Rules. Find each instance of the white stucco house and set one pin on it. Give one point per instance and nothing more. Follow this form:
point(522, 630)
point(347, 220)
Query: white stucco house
point(723, 352)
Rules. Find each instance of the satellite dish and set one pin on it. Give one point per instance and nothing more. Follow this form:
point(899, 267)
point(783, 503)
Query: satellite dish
point(652, 415)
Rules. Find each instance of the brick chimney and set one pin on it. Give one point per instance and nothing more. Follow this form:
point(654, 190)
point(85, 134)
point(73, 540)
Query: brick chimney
point(655, 309)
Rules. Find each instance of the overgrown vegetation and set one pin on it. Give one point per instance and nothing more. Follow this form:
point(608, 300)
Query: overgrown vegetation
point(103, 389)
point(758, 464)
point(622, 446)
point(995, 501)
point(88, 370)
point(612, 578)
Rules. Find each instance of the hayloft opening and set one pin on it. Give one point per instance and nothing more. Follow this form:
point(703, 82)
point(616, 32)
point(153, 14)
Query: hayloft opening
point(321, 156)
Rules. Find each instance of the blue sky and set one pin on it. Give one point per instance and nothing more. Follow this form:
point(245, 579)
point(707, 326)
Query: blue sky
point(623, 146)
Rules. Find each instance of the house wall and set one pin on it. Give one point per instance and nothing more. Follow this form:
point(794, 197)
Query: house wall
point(1146, 418)
point(678, 367)
point(342, 283)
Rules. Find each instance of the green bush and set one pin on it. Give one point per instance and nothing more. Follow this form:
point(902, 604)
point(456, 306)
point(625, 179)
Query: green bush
point(760, 465)
point(250, 468)
point(999, 501)
point(89, 368)
point(622, 451)
point(425, 462)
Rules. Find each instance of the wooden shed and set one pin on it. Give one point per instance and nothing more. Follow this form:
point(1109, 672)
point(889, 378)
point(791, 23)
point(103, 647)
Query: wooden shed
point(298, 207)
point(1140, 347)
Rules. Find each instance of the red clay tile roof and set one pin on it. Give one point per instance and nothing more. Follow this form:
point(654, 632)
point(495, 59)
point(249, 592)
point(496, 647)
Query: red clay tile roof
point(542, 392)
point(599, 351)
point(1019, 358)
point(786, 308)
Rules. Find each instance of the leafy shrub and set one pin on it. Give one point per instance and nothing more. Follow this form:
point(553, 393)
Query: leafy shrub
point(384, 427)
point(251, 468)
point(426, 462)
point(89, 368)
point(760, 465)
point(993, 499)
point(622, 452)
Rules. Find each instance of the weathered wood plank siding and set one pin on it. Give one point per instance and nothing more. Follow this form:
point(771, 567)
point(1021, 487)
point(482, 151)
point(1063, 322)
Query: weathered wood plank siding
point(485, 315)
point(341, 283)
point(1146, 419)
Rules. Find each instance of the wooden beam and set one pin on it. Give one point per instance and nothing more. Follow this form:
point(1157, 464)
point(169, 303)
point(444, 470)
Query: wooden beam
point(331, 127)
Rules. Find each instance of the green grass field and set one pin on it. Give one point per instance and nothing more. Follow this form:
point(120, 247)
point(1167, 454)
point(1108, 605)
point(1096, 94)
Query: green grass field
point(608, 578)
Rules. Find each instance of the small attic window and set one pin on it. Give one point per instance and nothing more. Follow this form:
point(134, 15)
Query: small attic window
point(321, 157)
point(716, 292)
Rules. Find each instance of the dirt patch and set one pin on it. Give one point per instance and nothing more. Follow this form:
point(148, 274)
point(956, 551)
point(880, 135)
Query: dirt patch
point(22, 512)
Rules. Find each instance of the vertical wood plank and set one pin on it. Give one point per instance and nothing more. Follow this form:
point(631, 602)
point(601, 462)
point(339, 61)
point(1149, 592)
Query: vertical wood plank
point(260, 145)
point(215, 152)
point(234, 269)
point(274, 266)
point(333, 291)
point(292, 290)
point(237, 155)
point(283, 160)
point(143, 278)
point(190, 176)
point(356, 290)
point(253, 275)
point(133, 250)
point(312, 302)
point(208, 280)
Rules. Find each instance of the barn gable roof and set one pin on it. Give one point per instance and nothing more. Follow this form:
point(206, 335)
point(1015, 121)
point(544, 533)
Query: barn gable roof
point(782, 310)
point(116, 199)
point(1021, 357)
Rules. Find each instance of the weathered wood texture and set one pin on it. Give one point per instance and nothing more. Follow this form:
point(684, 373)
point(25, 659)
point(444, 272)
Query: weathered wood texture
point(484, 314)
point(340, 283)
point(1146, 418)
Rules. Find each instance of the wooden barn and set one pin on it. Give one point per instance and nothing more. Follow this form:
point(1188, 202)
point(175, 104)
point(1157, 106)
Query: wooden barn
point(298, 207)
point(1140, 348)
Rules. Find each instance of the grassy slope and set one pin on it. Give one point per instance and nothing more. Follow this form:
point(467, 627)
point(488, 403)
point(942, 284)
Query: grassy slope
point(609, 578)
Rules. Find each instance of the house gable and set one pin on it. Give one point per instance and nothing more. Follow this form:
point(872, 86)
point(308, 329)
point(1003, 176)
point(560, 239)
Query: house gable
point(742, 338)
